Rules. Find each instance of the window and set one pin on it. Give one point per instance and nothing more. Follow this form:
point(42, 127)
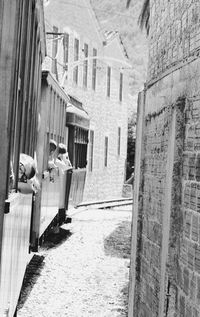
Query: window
point(120, 87)
point(65, 51)
point(85, 66)
point(94, 69)
point(79, 157)
point(106, 152)
point(26, 83)
point(76, 57)
point(54, 52)
point(108, 80)
point(119, 141)
point(91, 150)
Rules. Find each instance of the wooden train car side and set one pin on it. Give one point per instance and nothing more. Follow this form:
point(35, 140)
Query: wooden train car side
point(22, 49)
point(77, 125)
point(52, 127)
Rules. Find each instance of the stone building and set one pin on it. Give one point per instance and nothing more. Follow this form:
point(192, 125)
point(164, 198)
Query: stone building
point(165, 260)
point(93, 69)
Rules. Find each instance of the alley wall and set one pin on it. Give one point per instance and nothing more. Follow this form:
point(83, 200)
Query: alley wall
point(165, 264)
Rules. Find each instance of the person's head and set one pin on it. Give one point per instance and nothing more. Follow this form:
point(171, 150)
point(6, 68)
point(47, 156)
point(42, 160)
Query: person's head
point(52, 146)
point(62, 149)
point(27, 167)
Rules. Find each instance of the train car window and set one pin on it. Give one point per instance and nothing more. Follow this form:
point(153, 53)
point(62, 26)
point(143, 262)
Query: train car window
point(12, 176)
point(49, 105)
point(80, 148)
point(46, 152)
point(23, 114)
point(54, 113)
point(63, 118)
point(23, 39)
point(51, 111)
point(27, 79)
point(60, 117)
point(54, 52)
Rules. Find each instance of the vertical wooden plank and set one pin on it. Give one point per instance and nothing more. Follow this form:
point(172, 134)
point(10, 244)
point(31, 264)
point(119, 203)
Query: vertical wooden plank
point(7, 66)
point(26, 77)
point(137, 184)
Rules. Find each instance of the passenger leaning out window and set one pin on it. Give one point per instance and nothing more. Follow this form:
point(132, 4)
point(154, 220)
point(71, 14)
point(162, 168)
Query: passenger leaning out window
point(27, 179)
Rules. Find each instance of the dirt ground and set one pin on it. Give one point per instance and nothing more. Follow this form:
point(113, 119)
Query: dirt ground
point(82, 272)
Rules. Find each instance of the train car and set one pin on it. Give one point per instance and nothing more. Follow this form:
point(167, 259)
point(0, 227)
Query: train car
point(52, 133)
point(77, 125)
point(22, 49)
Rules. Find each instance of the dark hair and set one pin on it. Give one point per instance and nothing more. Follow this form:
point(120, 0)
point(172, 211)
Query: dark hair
point(32, 173)
point(52, 145)
point(62, 148)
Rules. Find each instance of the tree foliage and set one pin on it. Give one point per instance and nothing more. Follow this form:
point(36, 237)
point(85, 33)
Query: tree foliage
point(131, 145)
point(144, 16)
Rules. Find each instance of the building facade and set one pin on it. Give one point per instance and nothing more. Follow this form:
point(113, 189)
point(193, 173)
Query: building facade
point(165, 260)
point(93, 68)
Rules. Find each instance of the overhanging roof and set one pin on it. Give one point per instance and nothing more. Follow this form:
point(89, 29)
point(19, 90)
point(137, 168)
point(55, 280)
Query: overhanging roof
point(77, 117)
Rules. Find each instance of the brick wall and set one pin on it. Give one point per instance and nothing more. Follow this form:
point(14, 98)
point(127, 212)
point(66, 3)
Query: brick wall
point(165, 269)
point(150, 231)
point(174, 33)
point(167, 266)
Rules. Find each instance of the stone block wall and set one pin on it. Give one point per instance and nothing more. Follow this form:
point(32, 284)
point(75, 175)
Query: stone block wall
point(149, 250)
point(188, 276)
point(174, 33)
point(167, 267)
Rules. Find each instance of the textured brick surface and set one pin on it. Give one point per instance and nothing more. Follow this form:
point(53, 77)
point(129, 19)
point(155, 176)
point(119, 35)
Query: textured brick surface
point(174, 33)
point(174, 38)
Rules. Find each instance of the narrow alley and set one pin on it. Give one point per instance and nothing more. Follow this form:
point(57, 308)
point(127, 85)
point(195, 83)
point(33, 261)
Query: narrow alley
point(86, 273)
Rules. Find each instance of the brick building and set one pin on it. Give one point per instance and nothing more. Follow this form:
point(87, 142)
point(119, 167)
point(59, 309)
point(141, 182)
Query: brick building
point(93, 68)
point(165, 260)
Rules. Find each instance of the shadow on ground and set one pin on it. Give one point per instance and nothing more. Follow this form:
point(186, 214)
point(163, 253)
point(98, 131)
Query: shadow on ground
point(32, 273)
point(118, 243)
point(37, 263)
point(55, 239)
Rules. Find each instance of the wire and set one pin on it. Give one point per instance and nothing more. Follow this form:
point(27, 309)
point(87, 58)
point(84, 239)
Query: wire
point(81, 63)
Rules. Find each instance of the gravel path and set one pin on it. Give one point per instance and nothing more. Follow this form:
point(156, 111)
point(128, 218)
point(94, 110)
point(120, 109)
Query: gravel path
point(87, 274)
